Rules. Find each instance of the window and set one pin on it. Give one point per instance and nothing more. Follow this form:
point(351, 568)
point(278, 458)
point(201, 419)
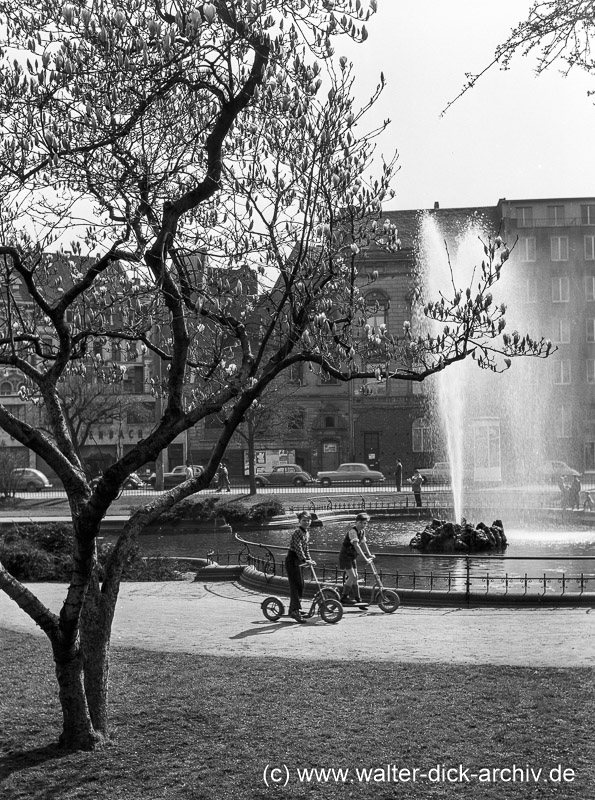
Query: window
point(559, 248)
point(590, 288)
point(524, 216)
point(560, 290)
point(555, 215)
point(5, 388)
point(590, 456)
point(422, 436)
point(296, 373)
point(591, 370)
point(376, 309)
point(588, 215)
point(526, 248)
point(590, 325)
point(561, 334)
point(329, 422)
point(297, 419)
point(561, 371)
point(134, 381)
point(589, 248)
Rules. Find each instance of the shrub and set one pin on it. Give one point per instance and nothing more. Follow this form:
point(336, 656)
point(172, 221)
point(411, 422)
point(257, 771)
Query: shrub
point(34, 552)
point(232, 511)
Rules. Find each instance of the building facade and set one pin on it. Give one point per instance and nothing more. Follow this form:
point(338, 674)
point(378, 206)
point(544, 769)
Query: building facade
point(537, 411)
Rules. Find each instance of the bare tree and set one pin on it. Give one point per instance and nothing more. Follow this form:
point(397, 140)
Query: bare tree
point(561, 33)
point(273, 413)
point(154, 159)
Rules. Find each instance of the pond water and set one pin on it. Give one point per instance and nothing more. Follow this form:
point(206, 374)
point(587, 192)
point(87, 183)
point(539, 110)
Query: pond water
point(530, 551)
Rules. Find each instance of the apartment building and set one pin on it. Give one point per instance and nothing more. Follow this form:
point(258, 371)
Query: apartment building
point(537, 411)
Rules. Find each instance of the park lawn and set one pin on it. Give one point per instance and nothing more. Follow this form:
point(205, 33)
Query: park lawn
point(194, 727)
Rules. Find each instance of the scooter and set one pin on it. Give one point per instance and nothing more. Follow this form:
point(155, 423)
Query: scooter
point(325, 602)
point(387, 599)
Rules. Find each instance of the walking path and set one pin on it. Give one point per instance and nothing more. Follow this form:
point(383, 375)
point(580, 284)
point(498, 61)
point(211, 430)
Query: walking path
point(225, 619)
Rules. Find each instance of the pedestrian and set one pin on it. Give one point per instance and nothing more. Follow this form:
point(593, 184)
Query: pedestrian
point(399, 474)
point(298, 556)
point(563, 491)
point(416, 481)
point(223, 478)
point(189, 471)
point(354, 545)
point(575, 493)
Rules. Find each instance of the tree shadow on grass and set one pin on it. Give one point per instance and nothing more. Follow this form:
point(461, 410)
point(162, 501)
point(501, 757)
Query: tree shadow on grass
point(25, 759)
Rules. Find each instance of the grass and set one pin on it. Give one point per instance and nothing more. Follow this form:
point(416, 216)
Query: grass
point(188, 727)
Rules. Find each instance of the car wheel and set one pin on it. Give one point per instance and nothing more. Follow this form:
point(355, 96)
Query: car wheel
point(326, 482)
point(298, 482)
point(30, 487)
point(366, 481)
point(258, 482)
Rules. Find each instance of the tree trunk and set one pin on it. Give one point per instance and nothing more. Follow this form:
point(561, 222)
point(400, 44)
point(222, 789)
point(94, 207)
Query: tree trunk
point(96, 622)
point(78, 732)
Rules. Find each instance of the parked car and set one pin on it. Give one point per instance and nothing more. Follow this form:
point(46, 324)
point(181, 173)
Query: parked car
point(553, 471)
point(350, 473)
point(27, 479)
point(439, 473)
point(284, 475)
point(133, 481)
point(176, 476)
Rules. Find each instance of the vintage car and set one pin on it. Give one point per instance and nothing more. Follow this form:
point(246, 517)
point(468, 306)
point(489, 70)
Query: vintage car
point(439, 473)
point(553, 471)
point(27, 479)
point(350, 473)
point(176, 476)
point(284, 475)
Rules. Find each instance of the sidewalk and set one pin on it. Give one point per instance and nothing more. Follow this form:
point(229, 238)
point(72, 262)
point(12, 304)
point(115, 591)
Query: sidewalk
point(225, 619)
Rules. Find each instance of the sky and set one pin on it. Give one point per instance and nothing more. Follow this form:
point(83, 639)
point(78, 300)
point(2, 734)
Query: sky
point(515, 135)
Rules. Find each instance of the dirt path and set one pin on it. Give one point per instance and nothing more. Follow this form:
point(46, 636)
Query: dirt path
point(225, 619)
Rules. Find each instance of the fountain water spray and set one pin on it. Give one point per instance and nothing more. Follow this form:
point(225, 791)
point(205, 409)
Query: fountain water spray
point(446, 265)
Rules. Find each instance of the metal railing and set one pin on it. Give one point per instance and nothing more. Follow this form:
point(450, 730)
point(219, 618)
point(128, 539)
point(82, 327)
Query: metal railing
point(542, 491)
point(467, 576)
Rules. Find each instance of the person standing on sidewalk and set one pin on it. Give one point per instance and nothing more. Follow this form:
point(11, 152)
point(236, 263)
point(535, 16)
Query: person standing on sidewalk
point(416, 481)
point(298, 556)
point(223, 478)
point(354, 545)
point(399, 475)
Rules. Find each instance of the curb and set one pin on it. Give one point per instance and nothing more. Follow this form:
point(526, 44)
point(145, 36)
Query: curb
point(254, 579)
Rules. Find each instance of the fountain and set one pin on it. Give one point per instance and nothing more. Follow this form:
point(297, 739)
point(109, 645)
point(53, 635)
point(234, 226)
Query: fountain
point(479, 416)
point(441, 536)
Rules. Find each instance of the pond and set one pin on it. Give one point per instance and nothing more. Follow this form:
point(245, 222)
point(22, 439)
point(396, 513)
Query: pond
point(530, 551)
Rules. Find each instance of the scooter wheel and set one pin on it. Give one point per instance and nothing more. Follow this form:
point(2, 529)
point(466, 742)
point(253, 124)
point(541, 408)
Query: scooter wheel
point(330, 594)
point(331, 611)
point(388, 601)
point(272, 608)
